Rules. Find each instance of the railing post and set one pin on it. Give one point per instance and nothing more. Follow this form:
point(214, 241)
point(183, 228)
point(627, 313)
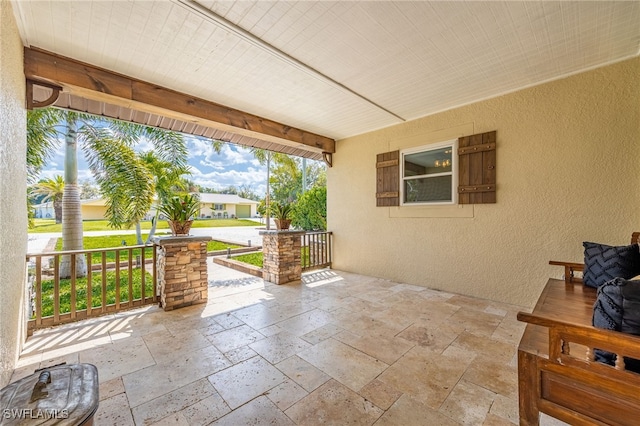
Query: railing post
point(39, 291)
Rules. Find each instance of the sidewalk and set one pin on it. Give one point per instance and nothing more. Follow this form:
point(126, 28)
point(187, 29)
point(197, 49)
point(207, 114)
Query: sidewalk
point(233, 234)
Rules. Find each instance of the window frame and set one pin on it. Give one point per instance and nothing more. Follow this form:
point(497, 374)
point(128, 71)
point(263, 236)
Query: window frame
point(453, 144)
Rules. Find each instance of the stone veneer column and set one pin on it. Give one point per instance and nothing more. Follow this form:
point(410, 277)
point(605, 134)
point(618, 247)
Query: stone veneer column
point(281, 256)
point(182, 277)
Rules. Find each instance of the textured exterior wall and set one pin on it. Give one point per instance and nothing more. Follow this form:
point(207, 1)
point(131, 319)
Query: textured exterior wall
point(568, 170)
point(13, 210)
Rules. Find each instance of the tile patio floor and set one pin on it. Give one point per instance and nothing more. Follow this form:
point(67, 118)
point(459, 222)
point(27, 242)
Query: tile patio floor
point(337, 349)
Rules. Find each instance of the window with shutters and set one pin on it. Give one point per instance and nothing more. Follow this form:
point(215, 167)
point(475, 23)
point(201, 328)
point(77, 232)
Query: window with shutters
point(218, 206)
point(429, 174)
point(461, 171)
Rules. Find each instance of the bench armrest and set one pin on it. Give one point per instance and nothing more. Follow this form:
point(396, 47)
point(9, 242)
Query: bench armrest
point(562, 334)
point(570, 268)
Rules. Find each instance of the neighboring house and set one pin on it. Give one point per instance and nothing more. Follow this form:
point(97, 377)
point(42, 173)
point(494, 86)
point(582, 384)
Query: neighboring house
point(44, 210)
point(211, 206)
point(93, 209)
point(227, 205)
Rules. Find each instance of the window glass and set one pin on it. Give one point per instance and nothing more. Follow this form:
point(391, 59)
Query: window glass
point(428, 162)
point(436, 189)
point(429, 174)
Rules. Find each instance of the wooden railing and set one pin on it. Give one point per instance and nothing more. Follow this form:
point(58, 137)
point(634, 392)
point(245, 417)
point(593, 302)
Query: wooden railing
point(316, 250)
point(118, 278)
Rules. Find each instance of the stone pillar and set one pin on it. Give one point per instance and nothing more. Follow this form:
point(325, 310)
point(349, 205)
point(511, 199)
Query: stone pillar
point(182, 271)
point(281, 256)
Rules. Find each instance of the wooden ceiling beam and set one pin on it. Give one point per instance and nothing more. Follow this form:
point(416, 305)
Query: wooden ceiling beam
point(40, 64)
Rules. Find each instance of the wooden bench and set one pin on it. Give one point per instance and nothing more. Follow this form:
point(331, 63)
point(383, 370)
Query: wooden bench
point(556, 371)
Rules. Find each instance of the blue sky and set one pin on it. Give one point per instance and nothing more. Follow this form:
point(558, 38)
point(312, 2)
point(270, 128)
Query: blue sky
point(235, 166)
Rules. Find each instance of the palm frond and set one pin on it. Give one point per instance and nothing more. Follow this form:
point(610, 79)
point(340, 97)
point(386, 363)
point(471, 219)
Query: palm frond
point(260, 154)
point(168, 146)
point(217, 145)
point(52, 188)
point(42, 138)
point(128, 133)
point(123, 179)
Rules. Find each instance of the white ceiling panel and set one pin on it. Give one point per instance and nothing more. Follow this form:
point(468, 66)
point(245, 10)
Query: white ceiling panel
point(337, 68)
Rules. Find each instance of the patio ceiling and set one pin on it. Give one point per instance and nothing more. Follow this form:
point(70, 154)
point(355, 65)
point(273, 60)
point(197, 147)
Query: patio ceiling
point(332, 68)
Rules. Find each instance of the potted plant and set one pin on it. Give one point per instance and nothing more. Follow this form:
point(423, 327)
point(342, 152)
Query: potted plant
point(281, 213)
point(179, 211)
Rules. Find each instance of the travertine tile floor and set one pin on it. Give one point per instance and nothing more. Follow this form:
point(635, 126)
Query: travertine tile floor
point(338, 348)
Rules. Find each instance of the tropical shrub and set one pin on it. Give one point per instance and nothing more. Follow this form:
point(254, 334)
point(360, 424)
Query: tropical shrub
point(310, 211)
point(180, 209)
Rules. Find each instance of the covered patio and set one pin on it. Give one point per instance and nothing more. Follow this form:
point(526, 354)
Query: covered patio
point(338, 348)
point(371, 341)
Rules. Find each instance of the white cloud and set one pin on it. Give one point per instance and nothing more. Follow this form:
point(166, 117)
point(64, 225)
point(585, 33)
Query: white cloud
point(230, 155)
point(50, 173)
point(199, 147)
point(255, 179)
point(234, 166)
point(144, 145)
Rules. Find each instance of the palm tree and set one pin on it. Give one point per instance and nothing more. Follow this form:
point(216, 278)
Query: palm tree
point(71, 208)
point(265, 157)
point(123, 178)
point(167, 179)
point(52, 189)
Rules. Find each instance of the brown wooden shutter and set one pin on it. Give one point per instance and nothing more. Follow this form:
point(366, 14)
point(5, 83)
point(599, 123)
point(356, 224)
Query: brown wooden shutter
point(477, 169)
point(388, 179)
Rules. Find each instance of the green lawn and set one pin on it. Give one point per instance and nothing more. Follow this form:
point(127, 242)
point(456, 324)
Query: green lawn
point(256, 258)
point(109, 241)
point(214, 245)
point(96, 291)
point(49, 225)
point(250, 258)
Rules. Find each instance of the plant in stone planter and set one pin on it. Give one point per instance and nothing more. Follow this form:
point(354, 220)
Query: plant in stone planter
point(281, 213)
point(179, 211)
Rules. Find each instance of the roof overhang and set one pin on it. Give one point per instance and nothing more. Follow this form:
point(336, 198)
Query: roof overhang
point(66, 83)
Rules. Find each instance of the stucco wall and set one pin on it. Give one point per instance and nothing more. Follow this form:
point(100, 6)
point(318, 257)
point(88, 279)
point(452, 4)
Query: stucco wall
point(568, 170)
point(93, 212)
point(13, 210)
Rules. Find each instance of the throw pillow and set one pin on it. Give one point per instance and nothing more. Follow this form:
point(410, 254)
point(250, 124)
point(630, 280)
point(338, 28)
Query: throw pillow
point(603, 263)
point(617, 308)
point(631, 318)
point(607, 314)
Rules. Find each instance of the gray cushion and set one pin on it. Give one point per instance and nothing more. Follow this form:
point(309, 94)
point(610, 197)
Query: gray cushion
point(631, 317)
point(617, 308)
